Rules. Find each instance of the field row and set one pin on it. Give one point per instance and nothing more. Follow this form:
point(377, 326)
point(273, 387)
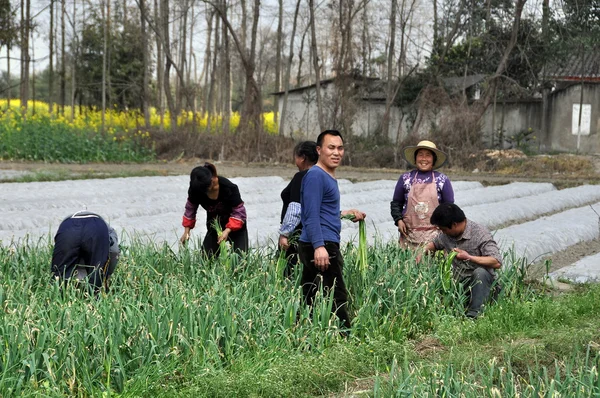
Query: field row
point(152, 207)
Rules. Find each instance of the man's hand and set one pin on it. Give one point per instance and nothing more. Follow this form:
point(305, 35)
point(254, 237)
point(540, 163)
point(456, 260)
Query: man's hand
point(358, 215)
point(224, 235)
point(461, 254)
point(284, 242)
point(321, 258)
point(401, 227)
point(428, 248)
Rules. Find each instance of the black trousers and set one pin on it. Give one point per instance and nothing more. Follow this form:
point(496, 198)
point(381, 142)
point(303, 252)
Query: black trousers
point(313, 279)
point(82, 242)
point(238, 239)
point(291, 255)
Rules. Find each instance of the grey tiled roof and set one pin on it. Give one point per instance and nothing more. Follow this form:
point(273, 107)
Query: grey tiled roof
point(577, 66)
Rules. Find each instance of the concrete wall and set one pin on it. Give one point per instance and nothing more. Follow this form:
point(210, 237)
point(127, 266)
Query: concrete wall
point(512, 118)
point(302, 122)
point(560, 134)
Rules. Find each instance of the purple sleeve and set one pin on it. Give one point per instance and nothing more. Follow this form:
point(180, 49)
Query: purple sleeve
point(239, 212)
point(399, 191)
point(189, 216)
point(447, 193)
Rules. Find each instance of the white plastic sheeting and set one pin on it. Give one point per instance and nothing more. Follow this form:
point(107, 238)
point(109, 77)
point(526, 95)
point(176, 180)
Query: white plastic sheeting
point(585, 270)
point(493, 215)
point(152, 208)
point(498, 193)
point(539, 238)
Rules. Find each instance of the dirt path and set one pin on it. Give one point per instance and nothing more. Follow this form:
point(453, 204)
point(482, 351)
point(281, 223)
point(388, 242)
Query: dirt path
point(239, 169)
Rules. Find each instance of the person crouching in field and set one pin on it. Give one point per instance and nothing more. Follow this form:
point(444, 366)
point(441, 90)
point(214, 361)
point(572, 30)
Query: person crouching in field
point(85, 246)
point(223, 204)
point(319, 246)
point(477, 253)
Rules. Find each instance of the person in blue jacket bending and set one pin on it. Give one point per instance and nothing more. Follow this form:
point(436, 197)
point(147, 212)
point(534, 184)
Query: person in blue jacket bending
point(85, 246)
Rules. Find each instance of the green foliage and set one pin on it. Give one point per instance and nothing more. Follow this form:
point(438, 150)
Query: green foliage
point(481, 54)
point(181, 324)
point(125, 49)
point(41, 139)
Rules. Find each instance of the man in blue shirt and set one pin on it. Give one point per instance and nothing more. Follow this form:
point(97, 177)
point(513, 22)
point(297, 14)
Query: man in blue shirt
point(319, 246)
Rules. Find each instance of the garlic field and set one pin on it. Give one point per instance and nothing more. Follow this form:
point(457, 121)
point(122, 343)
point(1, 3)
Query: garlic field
point(534, 219)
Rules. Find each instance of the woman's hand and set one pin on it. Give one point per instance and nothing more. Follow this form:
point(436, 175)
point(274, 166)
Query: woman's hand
point(402, 227)
point(224, 235)
point(284, 242)
point(185, 237)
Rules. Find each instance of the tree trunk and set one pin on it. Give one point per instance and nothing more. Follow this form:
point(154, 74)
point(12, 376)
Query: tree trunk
point(104, 63)
point(108, 59)
point(63, 58)
point(313, 46)
point(226, 80)
point(244, 32)
point(278, 61)
point(493, 81)
point(182, 55)
point(301, 58)
point(385, 122)
point(545, 85)
point(25, 57)
point(207, 65)
point(288, 70)
point(74, 56)
point(51, 61)
point(145, 64)
point(164, 14)
point(212, 103)
point(160, 62)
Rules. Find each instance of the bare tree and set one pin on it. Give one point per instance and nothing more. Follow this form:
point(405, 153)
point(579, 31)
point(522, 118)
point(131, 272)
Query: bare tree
point(315, 57)
point(105, 17)
point(288, 70)
point(63, 57)
point(160, 62)
point(251, 115)
point(278, 58)
point(226, 80)
point(74, 52)
point(146, 64)
point(51, 61)
point(385, 122)
point(25, 56)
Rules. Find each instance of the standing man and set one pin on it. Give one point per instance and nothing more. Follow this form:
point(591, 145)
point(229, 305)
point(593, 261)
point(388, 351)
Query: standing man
point(477, 254)
point(319, 246)
point(85, 246)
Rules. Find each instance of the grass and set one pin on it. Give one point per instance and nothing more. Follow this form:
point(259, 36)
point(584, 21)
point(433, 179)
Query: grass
point(46, 139)
point(179, 324)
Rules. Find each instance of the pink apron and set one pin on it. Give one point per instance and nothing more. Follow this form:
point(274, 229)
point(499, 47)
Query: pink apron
point(422, 201)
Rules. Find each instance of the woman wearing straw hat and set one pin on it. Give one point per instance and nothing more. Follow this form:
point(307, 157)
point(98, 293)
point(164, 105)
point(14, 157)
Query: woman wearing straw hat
point(418, 192)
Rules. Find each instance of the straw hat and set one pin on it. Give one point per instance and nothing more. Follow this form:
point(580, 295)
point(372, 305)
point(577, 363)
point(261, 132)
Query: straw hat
point(410, 151)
